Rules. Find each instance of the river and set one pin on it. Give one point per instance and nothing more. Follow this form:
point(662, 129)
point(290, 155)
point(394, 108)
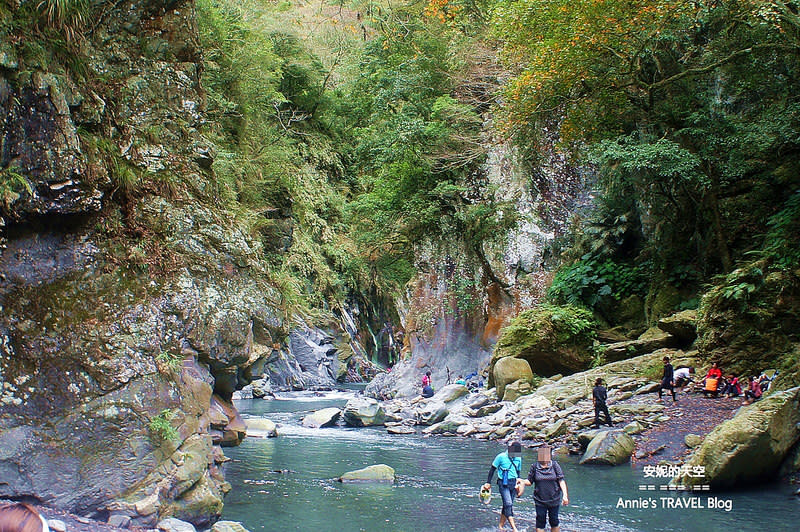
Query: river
point(287, 483)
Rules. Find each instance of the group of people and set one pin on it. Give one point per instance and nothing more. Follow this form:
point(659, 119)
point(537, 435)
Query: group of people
point(550, 488)
point(472, 381)
point(714, 383)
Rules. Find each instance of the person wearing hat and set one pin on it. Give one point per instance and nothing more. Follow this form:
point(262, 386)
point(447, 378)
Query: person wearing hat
point(508, 465)
point(550, 490)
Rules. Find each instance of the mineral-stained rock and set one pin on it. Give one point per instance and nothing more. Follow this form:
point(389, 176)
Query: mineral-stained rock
point(373, 473)
point(762, 433)
point(363, 412)
point(611, 447)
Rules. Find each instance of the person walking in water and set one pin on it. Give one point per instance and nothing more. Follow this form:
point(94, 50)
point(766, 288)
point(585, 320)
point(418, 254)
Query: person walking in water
point(550, 489)
point(599, 396)
point(508, 465)
point(668, 380)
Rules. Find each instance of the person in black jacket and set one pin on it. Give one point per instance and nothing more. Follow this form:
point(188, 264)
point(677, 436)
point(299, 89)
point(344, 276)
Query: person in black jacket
point(599, 397)
point(550, 490)
point(668, 380)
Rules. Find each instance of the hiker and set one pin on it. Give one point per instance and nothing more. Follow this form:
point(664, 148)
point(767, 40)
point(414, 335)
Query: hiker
point(599, 396)
point(427, 391)
point(426, 379)
point(668, 380)
point(753, 392)
point(683, 376)
point(732, 388)
point(21, 517)
point(461, 381)
point(550, 490)
point(508, 465)
point(711, 382)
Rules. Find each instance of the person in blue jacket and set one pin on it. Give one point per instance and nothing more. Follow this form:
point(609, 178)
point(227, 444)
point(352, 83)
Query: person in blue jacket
point(508, 465)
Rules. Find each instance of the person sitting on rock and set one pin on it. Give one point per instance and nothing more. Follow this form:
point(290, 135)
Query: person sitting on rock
point(599, 397)
point(461, 381)
point(427, 391)
point(732, 388)
point(711, 382)
point(21, 517)
point(753, 391)
point(426, 379)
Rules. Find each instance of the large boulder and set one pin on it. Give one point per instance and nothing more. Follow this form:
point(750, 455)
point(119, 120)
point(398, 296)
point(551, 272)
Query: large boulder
point(451, 392)
point(363, 412)
point(326, 417)
point(261, 427)
point(431, 413)
point(610, 447)
point(373, 473)
point(550, 338)
point(750, 446)
point(508, 370)
point(682, 325)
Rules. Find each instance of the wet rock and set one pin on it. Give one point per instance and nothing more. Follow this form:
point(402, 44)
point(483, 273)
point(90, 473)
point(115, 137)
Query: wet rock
point(400, 429)
point(228, 526)
point(373, 473)
point(363, 412)
point(325, 417)
point(534, 402)
point(611, 447)
point(261, 427)
point(448, 426)
point(633, 409)
point(510, 369)
point(233, 427)
point(175, 525)
point(762, 433)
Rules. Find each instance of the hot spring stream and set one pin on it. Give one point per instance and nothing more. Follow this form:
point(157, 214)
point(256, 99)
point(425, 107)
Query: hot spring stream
point(286, 483)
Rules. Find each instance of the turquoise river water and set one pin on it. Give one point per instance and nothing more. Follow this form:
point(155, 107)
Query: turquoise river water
point(287, 483)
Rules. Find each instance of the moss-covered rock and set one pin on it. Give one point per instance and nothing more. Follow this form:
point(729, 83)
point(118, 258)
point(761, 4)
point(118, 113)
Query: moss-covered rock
point(762, 433)
point(751, 322)
point(609, 447)
point(550, 338)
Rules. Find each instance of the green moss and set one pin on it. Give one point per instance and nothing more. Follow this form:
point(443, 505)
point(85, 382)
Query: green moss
point(160, 426)
point(547, 324)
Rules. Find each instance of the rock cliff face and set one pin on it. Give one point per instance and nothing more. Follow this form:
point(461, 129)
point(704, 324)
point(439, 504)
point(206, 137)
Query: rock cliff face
point(455, 308)
point(130, 310)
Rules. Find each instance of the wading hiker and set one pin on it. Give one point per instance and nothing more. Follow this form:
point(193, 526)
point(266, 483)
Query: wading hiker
point(508, 465)
point(668, 380)
point(599, 396)
point(550, 490)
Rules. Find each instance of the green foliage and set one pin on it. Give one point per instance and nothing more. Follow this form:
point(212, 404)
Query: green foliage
point(783, 238)
point(12, 186)
point(588, 280)
point(548, 324)
point(160, 426)
point(170, 361)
